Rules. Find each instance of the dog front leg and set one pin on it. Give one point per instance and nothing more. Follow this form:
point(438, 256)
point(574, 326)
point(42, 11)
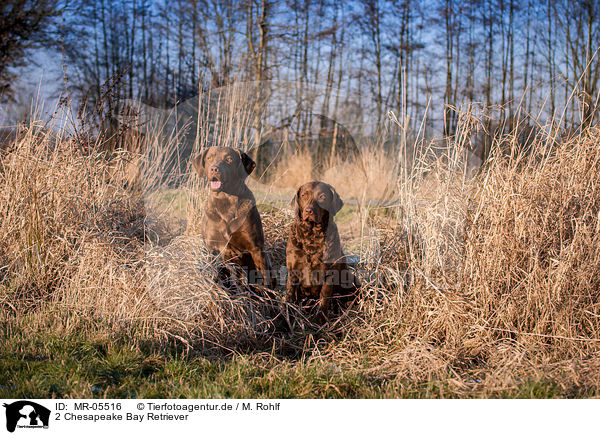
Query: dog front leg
point(231, 271)
point(292, 294)
point(325, 299)
point(263, 265)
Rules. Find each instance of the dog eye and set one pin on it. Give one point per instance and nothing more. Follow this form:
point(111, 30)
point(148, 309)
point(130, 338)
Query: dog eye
point(229, 160)
point(322, 197)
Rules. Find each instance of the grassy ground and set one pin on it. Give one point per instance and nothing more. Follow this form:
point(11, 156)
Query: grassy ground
point(79, 366)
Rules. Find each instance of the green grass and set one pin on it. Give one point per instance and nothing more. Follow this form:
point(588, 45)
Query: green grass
point(175, 200)
point(60, 367)
point(347, 214)
point(78, 366)
point(271, 206)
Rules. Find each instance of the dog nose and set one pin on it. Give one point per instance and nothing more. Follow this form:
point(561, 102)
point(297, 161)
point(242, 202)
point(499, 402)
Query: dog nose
point(214, 169)
point(309, 211)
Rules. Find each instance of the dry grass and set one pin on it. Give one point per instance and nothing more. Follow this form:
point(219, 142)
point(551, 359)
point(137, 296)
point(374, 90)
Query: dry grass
point(368, 178)
point(76, 243)
point(294, 171)
point(475, 286)
point(374, 175)
point(533, 248)
point(515, 298)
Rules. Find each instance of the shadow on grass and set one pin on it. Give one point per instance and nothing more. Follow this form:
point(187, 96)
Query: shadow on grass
point(119, 367)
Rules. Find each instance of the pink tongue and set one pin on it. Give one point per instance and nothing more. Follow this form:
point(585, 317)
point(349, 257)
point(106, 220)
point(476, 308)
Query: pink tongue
point(215, 184)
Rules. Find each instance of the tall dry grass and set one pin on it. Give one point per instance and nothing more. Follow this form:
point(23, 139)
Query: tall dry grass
point(81, 248)
point(473, 283)
point(373, 177)
point(532, 245)
point(505, 289)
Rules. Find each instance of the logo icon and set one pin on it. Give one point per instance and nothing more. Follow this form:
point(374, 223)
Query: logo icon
point(26, 414)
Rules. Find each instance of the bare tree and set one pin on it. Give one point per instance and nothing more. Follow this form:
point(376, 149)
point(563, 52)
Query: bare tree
point(371, 24)
point(23, 25)
point(580, 20)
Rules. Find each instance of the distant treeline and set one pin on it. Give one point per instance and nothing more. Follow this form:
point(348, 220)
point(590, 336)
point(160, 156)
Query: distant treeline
point(412, 57)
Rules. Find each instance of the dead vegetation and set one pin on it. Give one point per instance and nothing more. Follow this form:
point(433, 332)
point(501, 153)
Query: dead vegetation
point(476, 286)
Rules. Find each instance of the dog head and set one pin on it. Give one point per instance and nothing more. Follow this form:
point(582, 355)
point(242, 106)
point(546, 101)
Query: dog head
point(316, 203)
point(225, 168)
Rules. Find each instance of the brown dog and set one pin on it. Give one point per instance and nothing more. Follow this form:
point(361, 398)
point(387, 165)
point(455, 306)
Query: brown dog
point(233, 226)
point(317, 267)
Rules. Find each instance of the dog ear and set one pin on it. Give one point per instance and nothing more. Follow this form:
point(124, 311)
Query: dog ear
point(295, 202)
point(198, 163)
point(247, 163)
point(336, 202)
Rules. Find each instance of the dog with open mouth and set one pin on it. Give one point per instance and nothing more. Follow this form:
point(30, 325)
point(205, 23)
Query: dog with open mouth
point(317, 266)
point(233, 226)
